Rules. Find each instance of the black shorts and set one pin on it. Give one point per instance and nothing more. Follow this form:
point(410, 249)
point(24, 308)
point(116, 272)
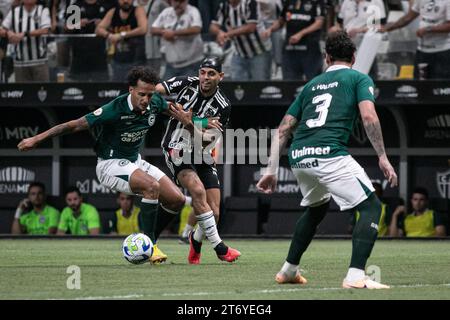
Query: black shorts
point(207, 173)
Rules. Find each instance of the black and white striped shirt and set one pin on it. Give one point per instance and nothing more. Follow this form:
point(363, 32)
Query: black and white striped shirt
point(31, 50)
point(247, 11)
point(190, 97)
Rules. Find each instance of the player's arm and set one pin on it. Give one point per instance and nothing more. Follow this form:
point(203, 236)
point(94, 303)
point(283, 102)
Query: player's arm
point(373, 130)
point(394, 230)
point(60, 129)
point(268, 182)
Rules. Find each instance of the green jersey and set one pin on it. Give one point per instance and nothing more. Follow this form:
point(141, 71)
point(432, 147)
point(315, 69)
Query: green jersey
point(119, 131)
point(88, 219)
point(326, 110)
point(40, 222)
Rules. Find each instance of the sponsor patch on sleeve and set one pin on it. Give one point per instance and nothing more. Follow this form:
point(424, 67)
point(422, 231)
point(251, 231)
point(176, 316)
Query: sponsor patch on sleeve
point(98, 112)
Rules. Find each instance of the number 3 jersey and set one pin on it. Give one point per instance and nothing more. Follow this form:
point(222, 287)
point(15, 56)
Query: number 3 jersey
point(326, 110)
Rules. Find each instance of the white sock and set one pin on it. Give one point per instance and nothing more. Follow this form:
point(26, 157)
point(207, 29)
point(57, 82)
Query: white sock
point(188, 201)
point(354, 274)
point(208, 225)
point(289, 268)
point(187, 229)
point(199, 235)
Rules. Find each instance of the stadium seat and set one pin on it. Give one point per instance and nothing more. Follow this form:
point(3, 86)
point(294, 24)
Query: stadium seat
point(406, 72)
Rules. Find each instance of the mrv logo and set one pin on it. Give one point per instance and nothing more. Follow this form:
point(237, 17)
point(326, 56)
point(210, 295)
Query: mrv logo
point(15, 179)
point(17, 133)
point(308, 151)
point(92, 186)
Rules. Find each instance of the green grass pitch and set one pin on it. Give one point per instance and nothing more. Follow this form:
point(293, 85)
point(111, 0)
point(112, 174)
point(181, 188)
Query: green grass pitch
point(37, 269)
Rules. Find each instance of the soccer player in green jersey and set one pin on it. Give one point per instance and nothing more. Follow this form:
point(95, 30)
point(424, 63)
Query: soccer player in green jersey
point(34, 215)
point(119, 128)
point(321, 119)
point(79, 218)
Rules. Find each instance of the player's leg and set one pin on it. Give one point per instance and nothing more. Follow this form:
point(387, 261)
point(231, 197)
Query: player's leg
point(351, 188)
point(189, 179)
point(316, 198)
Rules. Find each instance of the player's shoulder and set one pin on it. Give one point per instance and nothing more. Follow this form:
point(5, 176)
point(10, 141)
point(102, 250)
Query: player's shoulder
point(88, 207)
point(222, 99)
point(51, 209)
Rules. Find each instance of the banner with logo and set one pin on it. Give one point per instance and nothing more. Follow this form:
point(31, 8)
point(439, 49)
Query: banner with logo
point(17, 173)
point(432, 173)
point(20, 123)
point(429, 127)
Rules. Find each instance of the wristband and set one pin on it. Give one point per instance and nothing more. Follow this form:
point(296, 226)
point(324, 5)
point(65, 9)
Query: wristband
point(18, 213)
point(204, 121)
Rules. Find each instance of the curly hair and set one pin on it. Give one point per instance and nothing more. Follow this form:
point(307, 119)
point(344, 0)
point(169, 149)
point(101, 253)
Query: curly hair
point(340, 47)
point(142, 73)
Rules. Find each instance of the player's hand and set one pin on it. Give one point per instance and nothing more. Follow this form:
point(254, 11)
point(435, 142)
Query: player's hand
point(214, 123)
point(421, 32)
point(399, 211)
point(176, 111)
point(267, 183)
point(27, 144)
point(295, 38)
point(388, 171)
point(23, 205)
point(265, 34)
point(114, 38)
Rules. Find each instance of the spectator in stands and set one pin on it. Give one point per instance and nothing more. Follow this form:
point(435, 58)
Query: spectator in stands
point(124, 27)
point(88, 65)
point(433, 37)
point(421, 222)
point(383, 225)
point(153, 8)
point(26, 24)
point(34, 215)
point(126, 219)
point(302, 56)
point(78, 218)
point(6, 5)
point(243, 26)
point(179, 26)
point(270, 12)
point(208, 10)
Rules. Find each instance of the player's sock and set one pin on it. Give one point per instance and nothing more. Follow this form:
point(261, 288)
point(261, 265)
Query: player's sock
point(199, 235)
point(187, 229)
point(188, 201)
point(207, 222)
point(289, 268)
point(149, 214)
point(354, 274)
point(165, 216)
point(366, 231)
point(304, 231)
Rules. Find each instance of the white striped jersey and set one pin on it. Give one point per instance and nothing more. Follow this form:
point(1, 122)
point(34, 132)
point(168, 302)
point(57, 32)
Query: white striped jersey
point(247, 11)
point(31, 50)
point(189, 96)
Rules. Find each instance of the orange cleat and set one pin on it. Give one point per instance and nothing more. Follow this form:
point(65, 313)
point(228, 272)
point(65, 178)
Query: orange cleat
point(194, 256)
point(282, 278)
point(232, 255)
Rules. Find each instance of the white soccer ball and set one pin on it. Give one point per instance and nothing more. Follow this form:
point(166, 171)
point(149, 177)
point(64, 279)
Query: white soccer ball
point(137, 248)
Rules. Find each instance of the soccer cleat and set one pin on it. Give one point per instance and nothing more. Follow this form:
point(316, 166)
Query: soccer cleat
point(365, 283)
point(232, 255)
point(183, 240)
point(283, 278)
point(158, 256)
point(194, 256)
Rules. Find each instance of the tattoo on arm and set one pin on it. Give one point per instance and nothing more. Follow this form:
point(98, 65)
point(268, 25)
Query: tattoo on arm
point(373, 130)
point(66, 127)
point(284, 132)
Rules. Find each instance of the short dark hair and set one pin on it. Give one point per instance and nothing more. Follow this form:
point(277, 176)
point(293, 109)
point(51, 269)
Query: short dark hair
point(36, 184)
point(421, 190)
point(72, 189)
point(340, 47)
point(142, 73)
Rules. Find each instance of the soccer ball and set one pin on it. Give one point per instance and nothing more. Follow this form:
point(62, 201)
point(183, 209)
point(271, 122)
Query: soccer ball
point(137, 248)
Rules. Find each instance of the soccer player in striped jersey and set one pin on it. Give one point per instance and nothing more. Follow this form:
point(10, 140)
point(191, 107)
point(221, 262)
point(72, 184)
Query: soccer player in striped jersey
point(199, 99)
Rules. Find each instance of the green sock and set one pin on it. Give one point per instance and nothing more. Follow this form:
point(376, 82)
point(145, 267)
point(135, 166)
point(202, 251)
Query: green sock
point(149, 214)
point(304, 231)
point(366, 231)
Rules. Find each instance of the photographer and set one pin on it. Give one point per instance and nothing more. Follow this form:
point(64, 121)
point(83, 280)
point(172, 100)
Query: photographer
point(34, 215)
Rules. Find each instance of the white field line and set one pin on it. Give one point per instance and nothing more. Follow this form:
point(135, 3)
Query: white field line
point(181, 294)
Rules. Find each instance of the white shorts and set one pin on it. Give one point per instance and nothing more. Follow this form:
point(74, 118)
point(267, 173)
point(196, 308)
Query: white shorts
point(115, 173)
point(340, 177)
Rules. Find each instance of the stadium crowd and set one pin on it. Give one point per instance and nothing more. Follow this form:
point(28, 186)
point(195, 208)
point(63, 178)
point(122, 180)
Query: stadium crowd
point(98, 40)
point(34, 216)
